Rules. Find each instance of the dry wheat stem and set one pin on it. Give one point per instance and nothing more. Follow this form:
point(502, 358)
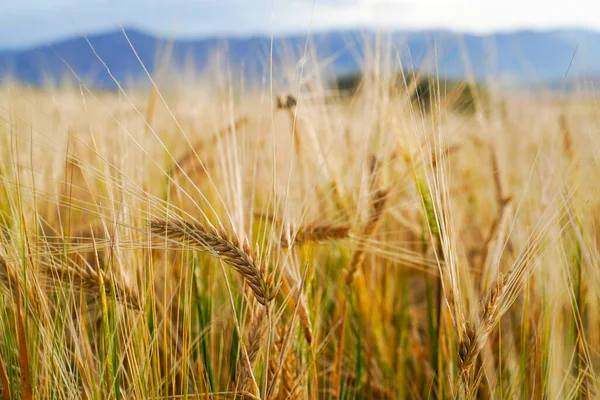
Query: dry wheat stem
point(234, 253)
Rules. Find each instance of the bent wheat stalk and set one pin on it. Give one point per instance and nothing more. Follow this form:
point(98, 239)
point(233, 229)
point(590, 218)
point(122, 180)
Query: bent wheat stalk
point(235, 253)
point(192, 154)
point(86, 280)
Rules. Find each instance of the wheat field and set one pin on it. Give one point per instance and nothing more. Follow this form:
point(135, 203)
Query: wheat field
point(219, 240)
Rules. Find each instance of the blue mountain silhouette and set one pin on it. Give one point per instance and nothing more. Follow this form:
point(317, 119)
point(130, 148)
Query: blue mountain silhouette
point(520, 56)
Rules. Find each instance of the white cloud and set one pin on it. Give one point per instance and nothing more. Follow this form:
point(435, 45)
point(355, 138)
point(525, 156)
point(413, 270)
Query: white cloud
point(28, 21)
point(481, 15)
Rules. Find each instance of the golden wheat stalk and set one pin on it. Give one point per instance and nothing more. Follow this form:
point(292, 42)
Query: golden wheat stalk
point(304, 318)
point(501, 197)
point(377, 205)
point(9, 280)
point(24, 365)
point(268, 217)
point(303, 314)
point(230, 395)
point(312, 232)
point(338, 199)
point(378, 202)
point(317, 232)
point(567, 137)
point(235, 253)
point(290, 385)
point(256, 334)
point(86, 280)
point(274, 360)
point(4, 273)
point(500, 297)
point(193, 153)
point(285, 385)
point(369, 389)
point(4, 382)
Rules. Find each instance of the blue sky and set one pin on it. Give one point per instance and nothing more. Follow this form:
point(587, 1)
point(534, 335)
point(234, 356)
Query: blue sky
point(30, 22)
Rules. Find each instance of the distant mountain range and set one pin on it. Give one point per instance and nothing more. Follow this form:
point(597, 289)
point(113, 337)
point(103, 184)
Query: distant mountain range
point(521, 57)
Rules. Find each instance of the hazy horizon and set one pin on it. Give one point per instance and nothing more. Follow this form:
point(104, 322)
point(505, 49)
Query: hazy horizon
point(288, 34)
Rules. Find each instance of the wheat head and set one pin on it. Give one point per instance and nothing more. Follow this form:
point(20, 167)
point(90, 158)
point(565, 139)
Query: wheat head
point(235, 253)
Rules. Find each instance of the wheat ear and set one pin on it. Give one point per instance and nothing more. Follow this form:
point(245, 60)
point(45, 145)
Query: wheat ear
point(87, 281)
point(286, 384)
point(474, 339)
point(290, 385)
point(567, 137)
point(256, 335)
point(274, 360)
point(232, 251)
point(316, 232)
point(303, 314)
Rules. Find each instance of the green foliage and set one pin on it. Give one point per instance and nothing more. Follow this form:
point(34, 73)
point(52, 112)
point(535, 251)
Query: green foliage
point(425, 91)
point(348, 84)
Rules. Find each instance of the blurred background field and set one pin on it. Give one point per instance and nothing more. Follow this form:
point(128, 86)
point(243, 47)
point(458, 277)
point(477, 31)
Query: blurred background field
point(362, 215)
